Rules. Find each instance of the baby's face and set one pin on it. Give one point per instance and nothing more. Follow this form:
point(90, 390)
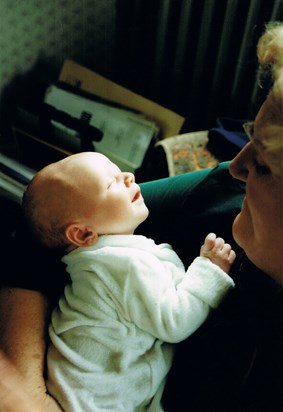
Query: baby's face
point(109, 198)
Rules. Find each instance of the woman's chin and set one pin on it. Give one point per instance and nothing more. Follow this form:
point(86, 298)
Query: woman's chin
point(238, 230)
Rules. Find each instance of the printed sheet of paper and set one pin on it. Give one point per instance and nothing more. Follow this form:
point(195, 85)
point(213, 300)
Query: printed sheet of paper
point(126, 134)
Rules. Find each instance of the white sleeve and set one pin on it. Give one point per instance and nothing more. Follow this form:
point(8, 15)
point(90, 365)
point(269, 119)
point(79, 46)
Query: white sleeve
point(171, 312)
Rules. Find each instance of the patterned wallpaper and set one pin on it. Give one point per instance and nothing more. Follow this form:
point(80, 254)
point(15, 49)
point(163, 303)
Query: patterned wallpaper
point(53, 30)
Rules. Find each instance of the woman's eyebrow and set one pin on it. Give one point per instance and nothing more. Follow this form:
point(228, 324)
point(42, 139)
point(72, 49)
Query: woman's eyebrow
point(249, 129)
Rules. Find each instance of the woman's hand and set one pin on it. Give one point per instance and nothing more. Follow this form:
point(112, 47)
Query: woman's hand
point(24, 317)
point(15, 397)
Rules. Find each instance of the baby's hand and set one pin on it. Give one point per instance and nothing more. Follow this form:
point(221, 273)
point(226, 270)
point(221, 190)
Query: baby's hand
point(219, 252)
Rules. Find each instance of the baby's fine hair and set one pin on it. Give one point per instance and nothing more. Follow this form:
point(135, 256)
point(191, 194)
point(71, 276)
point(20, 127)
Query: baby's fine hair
point(49, 232)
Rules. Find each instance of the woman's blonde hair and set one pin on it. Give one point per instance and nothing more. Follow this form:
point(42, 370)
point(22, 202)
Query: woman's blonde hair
point(270, 56)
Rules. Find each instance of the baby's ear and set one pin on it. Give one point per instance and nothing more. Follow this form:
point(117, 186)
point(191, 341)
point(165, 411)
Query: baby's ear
point(80, 235)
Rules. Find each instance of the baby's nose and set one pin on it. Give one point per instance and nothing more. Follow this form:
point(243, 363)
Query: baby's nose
point(129, 178)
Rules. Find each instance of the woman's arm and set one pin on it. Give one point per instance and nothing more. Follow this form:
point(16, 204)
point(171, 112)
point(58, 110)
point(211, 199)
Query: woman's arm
point(24, 315)
point(14, 396)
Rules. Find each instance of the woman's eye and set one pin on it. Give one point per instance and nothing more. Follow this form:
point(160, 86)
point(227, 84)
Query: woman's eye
point(261, 169)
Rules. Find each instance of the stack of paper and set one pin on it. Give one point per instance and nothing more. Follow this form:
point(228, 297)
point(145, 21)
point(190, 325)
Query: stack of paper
point(126, 134)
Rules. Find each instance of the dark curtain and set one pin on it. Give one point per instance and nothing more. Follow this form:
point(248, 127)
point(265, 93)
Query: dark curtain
point(196, 57)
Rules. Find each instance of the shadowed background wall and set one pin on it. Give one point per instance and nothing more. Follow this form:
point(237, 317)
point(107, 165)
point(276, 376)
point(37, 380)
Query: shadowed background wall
point(196, 57)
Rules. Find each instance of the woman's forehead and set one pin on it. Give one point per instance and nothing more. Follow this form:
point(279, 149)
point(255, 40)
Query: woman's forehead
point(268, 124)
point(268, 135)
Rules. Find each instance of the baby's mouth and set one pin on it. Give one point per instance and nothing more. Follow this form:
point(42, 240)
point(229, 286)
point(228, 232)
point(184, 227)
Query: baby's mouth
point(137, 196)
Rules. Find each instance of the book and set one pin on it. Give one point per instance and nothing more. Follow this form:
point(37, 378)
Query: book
point(84, 79)
point(14, 177)
point(126, 134)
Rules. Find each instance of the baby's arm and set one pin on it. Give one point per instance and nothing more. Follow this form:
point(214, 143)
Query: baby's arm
point(219, 252)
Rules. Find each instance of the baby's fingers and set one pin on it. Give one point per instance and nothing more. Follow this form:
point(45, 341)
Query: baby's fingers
point(226, 249)
point(209, 243)
point(232, 256)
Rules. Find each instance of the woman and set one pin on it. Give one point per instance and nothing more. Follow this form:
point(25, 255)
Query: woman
point(234, 362)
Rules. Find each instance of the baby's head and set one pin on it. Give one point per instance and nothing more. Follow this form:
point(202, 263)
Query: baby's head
point(71, 202)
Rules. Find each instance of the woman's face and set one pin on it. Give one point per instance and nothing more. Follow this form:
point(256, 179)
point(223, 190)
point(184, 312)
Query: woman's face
point(258, 228)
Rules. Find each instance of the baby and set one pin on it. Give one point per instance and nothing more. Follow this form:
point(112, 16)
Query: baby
point(129, 300)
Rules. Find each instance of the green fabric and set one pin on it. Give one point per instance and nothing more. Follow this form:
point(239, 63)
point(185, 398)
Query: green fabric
point(184, 208)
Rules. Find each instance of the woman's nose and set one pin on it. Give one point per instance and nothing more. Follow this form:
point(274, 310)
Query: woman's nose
point(239, 166)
